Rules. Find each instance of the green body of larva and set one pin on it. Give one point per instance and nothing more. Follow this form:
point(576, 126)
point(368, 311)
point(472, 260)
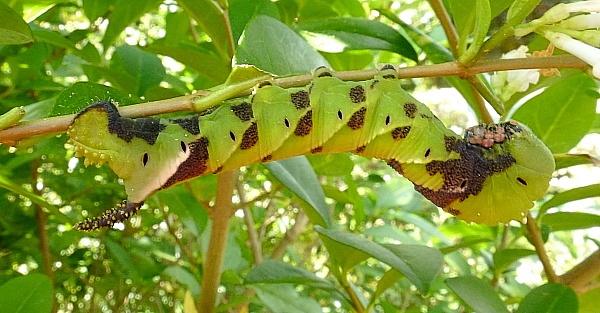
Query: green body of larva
point(491, 176)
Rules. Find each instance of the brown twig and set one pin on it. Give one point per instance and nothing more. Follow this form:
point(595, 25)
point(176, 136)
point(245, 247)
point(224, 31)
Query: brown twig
point(535, 236)
point(580, 277)
point(220, 215)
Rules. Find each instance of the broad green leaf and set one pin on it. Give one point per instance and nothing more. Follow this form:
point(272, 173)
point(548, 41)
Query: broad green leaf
point(562, 114)
point(122, 257)
point(348, 250)
point(144, 67)
point(336, 164)
point(123, 14)
point(476, 294)
point(570, 220)
point(424, 261)
point(82, 94)
point(390, 232)
point(213, 21)
point(572, 195)
point(89, 54)
point(183, 276)
point(242, 11)
point(346, 33)
point(504, 258)
point(182, 203)
point(297, 175)
point(96, 8)
point(550, 298)
point(278, 272)
point(203, 61)
point(284, 298)
point(271, 46)
point(31, 293)
point(13, 29)
point(565, 160)
point(423, 224)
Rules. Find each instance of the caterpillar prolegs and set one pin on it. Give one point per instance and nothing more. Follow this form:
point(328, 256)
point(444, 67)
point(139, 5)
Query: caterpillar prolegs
point(490, 176)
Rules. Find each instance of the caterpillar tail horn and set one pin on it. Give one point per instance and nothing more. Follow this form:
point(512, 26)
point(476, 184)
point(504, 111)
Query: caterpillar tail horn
point(121, 213)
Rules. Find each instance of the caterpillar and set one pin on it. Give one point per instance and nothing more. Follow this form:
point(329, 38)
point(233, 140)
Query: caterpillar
point(491, 175)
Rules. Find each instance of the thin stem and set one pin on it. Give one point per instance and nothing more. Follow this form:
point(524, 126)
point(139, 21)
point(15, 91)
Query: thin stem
point(255, 244)
point(536, 239)
point(291, 235)
point(447, 25)
point(580, 276)
point(220, 215)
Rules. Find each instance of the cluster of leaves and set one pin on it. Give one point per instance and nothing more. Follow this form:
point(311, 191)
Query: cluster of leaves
point(374, 244)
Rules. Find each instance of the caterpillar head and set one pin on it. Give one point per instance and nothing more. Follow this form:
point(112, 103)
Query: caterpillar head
point(144, 153)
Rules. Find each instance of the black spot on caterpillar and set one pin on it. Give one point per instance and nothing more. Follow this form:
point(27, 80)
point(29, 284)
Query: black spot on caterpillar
point(490, 176)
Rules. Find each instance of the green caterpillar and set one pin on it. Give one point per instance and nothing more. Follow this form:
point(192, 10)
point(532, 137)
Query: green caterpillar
point(491, 176)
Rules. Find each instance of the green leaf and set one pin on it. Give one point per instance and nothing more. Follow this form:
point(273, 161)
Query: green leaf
point(13, 29)
point(476, 294)
point(56, 39)
point(297, 175)
point(340, 34)
point(122, 257)
point(570, 220)
point(504, 258)
point(332, 164)
point(278, 272)
point(347, 250)
point(145, 68)
point(284, 298)
point(565, 160)
point(96, 8)
point(273, 47)
point(212, 20)
point(205, 62)
point(572, 195)
point(424, 261)
point(562, 114)
point(124, 13)
point(31, 293)
point(183, 276)
point(482, 20)
point(82, 94)
point(550, 298)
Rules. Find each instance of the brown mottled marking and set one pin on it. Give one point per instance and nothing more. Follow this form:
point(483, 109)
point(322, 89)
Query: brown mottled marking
point(396, 165)
point(400, 132)
point(360, 149)
point(410, 109)
point(452, 211)
point(301, 99)
point(425, 115)
point(450, 143)
point(243, 111)
point(250, 137)
point(373, 84)
point(316, 150)
point(218, 170)
point(357, 94)
point(267, 158)
point(357, 120)
point(304, 126)
point(472, 166)
point(194, 165)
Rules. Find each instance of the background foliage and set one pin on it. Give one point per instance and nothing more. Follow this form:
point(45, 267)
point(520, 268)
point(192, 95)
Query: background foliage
point(364, 242)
